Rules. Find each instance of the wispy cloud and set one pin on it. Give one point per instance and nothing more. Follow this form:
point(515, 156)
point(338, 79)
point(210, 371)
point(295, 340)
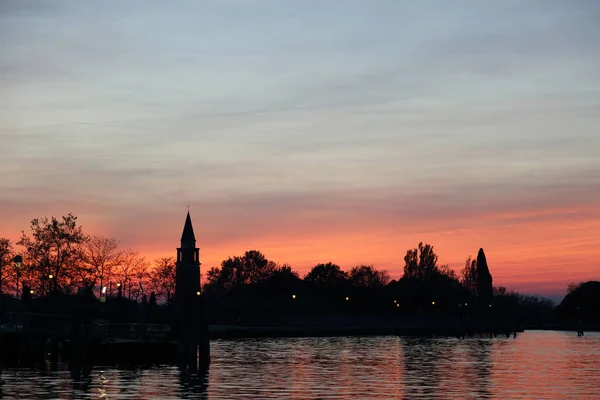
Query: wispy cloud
point(351, 128)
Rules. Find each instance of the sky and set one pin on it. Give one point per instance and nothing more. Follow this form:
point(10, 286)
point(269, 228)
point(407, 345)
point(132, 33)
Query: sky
point(314, 131)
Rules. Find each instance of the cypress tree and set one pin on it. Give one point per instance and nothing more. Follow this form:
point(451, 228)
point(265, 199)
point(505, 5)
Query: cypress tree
point(484, 279)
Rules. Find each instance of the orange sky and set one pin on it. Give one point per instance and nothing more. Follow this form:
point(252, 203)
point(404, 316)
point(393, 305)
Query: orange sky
point(537, 251)
point(380, 126)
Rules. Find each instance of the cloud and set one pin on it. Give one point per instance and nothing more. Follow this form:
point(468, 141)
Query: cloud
point(350, 128)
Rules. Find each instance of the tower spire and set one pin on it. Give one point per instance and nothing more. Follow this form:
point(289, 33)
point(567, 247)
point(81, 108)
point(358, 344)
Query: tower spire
point(188, 230)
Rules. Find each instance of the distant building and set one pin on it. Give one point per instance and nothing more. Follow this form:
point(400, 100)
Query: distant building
point(191, 326)
point(187, 281)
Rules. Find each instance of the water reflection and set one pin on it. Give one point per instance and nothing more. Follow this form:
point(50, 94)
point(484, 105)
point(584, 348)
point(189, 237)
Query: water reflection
point(194, 384)
point(479, 371)
point(535, 365)
point(420, 368)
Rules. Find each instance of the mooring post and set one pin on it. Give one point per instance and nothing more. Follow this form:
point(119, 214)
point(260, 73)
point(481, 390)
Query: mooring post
point(203, 335)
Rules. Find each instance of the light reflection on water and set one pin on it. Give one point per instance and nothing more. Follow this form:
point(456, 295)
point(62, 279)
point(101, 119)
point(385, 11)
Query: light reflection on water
point(540, 365)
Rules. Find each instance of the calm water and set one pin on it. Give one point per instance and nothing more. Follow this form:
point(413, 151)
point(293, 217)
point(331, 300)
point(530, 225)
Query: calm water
point(536, 365)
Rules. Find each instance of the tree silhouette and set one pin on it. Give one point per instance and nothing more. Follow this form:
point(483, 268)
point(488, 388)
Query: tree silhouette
point(484, 278)
point(55, 247)
point(250, 268)
point(326, 274)
point(469, 275)
point(163, 277)
point(130, 272)
point(581, 302)
point(102, 255)
point(421, 263)
point(6, 256)
point(152, 300)
point(369, 277)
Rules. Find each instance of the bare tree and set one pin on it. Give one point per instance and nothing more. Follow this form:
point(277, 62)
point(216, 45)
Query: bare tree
point(163, 277)
point(102, 256)
point(130, 272)
point(469, 275)
point(142, 277)
point(6, 263)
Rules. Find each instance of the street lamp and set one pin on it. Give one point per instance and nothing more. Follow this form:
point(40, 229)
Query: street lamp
point(103, 295)
point(18, 260)
point(293, 296)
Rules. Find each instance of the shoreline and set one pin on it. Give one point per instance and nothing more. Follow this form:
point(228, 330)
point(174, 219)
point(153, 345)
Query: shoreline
point(248, 332)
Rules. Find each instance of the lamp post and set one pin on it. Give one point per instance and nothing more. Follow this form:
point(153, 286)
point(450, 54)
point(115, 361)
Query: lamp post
point(18, 260)
point(50, 277)
point(103, 295)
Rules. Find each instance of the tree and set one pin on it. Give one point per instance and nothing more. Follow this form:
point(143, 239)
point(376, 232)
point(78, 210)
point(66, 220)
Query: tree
point(102, 255)
point(421, 263)
point(285, 272)
point(55, 248)
point(6, 256)
point(253, 267)
point(250, 268)
point(368, 276)
point(326, 274)
point(152, 301)
point(130, 272)
point(142, 276)
point(581, 302)
point(469, 275)
point(212, 276)
point(572, 287)
point(163, 277)
point(484, 278)
point(282, 282)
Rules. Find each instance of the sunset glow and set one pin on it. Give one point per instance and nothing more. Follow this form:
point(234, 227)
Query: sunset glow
point(311, 137)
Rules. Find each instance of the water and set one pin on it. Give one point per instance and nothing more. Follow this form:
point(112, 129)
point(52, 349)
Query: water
point(540, 365)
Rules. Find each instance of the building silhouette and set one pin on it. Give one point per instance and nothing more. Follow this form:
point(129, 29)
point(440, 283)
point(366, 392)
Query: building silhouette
point(187, 281)
point(188, 310)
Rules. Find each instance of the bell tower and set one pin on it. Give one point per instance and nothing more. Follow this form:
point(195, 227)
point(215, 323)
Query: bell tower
point(188, 263)
point(191, 322)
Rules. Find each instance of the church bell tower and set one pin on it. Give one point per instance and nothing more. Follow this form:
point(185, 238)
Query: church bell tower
point(187, 282)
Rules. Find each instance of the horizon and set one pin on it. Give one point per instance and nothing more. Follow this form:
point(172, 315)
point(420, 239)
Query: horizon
point(556, 298)
point(346, 132)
